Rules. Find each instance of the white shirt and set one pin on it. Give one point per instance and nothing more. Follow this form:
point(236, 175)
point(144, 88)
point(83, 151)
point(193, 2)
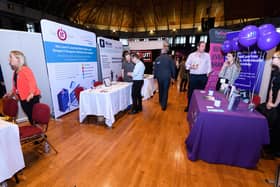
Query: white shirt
point(203, 62)
point(138, 72)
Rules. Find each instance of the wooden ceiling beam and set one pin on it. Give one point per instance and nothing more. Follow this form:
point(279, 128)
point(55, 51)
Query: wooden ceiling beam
point(110, 18)
point(120, 25)
point(155, 15)
point(181, 14)
point(96, 8)
point(81, 6)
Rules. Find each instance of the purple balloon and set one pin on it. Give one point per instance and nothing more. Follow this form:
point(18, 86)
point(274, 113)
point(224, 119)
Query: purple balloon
point(248, 35)
point(235, 44)
point(269, 41)
point(266, 28)
point(226, 47)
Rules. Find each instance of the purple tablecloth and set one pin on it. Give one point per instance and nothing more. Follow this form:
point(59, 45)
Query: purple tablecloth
point(229, 137)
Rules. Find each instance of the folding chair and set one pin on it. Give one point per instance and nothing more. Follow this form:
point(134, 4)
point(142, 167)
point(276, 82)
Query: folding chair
point(37, 132)
point(78, 91)
point(10, 108)
point(97, 83)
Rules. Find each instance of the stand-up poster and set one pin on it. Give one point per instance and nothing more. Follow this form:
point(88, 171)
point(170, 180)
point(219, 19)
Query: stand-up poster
point(217, 37)
point(110, 58)
point(71, 62)
point(252, 65)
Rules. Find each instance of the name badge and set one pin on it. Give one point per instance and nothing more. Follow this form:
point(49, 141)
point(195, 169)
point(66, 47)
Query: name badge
point(222, 81)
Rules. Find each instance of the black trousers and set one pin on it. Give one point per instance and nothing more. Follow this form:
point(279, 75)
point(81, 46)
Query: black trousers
point(136, 95)
point(273, 118)
point(183, 84)
point(163, 86)
point(196, 82)
point(28, 106)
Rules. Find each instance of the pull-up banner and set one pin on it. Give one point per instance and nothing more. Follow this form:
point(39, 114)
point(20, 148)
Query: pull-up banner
point(110, 58)
point(252, 65)
point(217, 37)
point(71, 62)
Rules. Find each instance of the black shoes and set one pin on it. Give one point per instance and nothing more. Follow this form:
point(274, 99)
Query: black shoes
point(133, 112)
point(163, 108)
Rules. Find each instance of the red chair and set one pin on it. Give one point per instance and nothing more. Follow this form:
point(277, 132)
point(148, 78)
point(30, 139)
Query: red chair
point(10, 108)
point(78, 91)
point(120, 79)
point(37, 132)
point(97, 83)
point(256, 100)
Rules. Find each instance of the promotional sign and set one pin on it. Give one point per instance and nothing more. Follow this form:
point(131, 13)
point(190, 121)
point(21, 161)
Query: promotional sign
point(217, 37)
point(71, 61)
point(148, 57)
point(145, 55)
point(252, 65)
point(110, 58)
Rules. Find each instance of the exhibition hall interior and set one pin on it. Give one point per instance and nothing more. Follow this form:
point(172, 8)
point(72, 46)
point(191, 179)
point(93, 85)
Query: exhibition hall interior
point(120, 93)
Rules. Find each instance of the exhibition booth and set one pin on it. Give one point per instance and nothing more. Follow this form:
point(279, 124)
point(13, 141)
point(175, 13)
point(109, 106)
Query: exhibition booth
point(65, 59)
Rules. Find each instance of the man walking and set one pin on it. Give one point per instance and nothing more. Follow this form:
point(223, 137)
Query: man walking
point(164, 72)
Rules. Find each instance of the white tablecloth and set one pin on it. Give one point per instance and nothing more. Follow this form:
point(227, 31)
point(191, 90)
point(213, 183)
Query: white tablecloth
point(105, 101)
point(11, 157)
point(148, 87)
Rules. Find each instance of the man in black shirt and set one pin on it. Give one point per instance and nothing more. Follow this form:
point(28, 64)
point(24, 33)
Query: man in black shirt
point(127, 66)
point(164, 72)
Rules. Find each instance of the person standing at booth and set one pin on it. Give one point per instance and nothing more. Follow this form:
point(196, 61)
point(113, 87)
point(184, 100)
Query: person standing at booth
point(164, 72)
point(271, 109)
point(127, 66)
point(24, 87)
point(230, 70)
point(138, 81)
point(199, 64)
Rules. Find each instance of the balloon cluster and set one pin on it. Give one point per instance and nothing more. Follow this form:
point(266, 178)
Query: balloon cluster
point(265, 37)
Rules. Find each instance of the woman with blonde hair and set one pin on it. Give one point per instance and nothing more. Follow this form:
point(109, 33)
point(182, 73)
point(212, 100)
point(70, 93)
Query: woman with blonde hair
point(230, 70)
point(24, 84)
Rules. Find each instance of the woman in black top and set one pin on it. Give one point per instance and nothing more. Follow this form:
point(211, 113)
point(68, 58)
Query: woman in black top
point(271, 109)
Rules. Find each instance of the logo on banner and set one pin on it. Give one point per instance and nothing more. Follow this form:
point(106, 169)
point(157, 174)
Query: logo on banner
point(218, 35)
point(108, 44)
point(147, 56)
point(61, 34)
point(102, 43)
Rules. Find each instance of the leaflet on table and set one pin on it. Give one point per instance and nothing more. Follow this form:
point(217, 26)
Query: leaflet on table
point(215, 110)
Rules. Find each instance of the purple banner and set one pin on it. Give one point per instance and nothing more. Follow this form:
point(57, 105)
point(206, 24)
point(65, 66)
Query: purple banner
point(252, 65)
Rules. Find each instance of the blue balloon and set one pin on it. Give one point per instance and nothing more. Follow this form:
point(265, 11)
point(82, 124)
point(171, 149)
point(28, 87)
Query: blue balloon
point(226, 47)
point(235, 44)
point(269, 41)
point(266, 28)
point(248, 35)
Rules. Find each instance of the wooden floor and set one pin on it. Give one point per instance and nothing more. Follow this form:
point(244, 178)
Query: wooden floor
point(146, 149)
